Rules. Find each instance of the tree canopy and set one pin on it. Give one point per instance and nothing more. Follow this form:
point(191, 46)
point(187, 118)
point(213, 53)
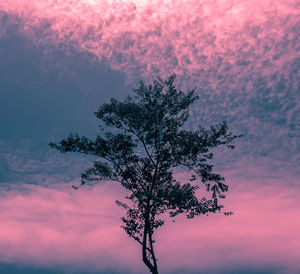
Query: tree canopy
point(141, 145)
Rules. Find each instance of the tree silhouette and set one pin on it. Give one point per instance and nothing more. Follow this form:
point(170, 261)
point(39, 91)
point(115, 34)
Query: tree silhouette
point(142, 146)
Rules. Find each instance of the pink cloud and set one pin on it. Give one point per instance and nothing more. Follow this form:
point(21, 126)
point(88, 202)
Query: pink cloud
point(187, 37)
point(57, 225)
point(49, 226)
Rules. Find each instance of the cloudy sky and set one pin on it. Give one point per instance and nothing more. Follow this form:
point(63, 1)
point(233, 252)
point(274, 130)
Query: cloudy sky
point(61, 59)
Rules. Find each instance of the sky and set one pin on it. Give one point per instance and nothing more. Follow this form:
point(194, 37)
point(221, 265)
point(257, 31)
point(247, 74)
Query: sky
point(61, 59)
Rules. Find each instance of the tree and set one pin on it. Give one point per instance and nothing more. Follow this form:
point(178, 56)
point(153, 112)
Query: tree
point(142, 146)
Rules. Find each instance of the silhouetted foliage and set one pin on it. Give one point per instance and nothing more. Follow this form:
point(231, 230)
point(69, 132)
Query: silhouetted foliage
point(143, 149)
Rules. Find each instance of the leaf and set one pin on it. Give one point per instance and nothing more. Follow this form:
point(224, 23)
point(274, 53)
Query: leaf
point(142, 144)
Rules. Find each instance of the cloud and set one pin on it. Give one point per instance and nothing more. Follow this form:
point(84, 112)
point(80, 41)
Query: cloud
point(54, 226)
point(51, 226)
point(242, 57)
point(188, 37)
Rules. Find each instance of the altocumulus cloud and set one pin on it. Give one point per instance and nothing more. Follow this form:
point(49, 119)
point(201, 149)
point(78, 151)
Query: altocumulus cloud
point(188, 37)
point(242, 57)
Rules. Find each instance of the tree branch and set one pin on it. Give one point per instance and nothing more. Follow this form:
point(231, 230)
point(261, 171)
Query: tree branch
point(144, 145)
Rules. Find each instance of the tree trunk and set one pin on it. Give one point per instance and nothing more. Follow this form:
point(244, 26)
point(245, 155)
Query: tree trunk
point(152, 253)
point(147, 235)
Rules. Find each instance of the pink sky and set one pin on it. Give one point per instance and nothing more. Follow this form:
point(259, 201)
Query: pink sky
point(55, 225)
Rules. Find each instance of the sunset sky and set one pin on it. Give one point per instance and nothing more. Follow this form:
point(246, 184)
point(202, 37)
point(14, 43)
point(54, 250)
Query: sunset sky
point(61, 59)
